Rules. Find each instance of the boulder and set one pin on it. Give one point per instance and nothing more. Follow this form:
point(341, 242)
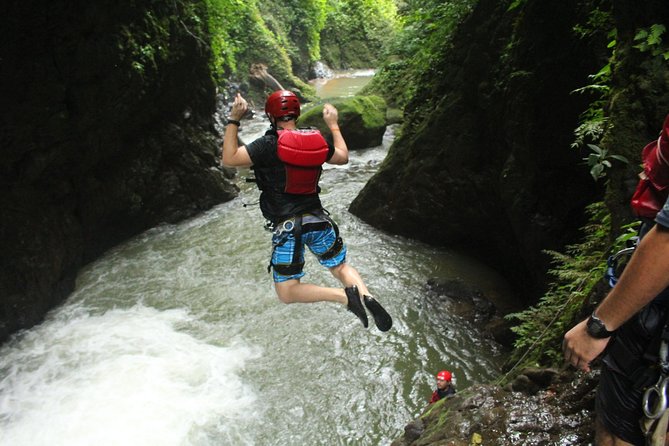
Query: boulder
point(362, 120)
point(483, 161)
point(545, 407)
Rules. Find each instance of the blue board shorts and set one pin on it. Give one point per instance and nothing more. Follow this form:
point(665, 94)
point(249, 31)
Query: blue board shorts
point(319, 242)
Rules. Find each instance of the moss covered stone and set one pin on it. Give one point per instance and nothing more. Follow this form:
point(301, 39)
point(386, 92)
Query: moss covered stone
point(362, 120)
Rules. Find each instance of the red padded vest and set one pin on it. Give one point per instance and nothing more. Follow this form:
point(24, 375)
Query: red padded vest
point(303, 152)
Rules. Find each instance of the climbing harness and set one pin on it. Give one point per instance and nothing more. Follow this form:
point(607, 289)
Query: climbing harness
point(297, 225)
point(655, 402)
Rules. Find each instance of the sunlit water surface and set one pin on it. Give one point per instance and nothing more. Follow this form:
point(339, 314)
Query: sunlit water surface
point(176, 338)
point(344, 83)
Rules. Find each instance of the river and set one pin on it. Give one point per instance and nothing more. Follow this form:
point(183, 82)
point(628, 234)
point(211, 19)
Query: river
point(176, 338)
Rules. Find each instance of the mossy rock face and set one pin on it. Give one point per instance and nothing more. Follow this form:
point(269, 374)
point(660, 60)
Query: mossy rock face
point(480, 145)
point(110, 134)
point(362, 120)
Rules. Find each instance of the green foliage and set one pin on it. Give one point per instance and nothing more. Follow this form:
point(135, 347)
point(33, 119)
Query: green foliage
point(597, 21)
point(240, 37)
point(227, 23)
point(593, 122)
point(577, 272)
point(297, 26)
point(516, 4)
point(650, 40)
point(599, 159)
point(415, 53)
point(287, 35)
point(147, 42)
point(357, 31)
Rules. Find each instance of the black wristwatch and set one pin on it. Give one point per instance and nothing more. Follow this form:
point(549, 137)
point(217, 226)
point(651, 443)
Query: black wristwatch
point(596, 328)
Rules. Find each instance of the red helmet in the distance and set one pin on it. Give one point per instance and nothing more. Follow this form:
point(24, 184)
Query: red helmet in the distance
point(444, 375)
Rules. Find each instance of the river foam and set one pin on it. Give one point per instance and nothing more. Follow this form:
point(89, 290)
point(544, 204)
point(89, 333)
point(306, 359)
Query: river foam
point(125, 377)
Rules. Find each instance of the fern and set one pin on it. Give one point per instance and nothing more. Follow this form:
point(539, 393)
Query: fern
point(650, 40)
point(576, 273)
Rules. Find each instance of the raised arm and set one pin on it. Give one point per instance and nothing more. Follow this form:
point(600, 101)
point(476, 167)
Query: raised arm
point(234, 155)
point(331, 117)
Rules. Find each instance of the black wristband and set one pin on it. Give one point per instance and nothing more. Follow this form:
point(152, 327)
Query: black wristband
point(235, 122)
point(596, 328)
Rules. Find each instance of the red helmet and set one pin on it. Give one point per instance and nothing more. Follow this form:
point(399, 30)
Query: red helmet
point(282, 103)
point(445, 375)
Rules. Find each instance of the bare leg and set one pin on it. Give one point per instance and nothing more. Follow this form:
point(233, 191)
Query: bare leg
point(293, 291)
point(348, 276)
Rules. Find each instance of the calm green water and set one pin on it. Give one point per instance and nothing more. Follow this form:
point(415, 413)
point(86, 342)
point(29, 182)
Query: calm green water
point(345, 83)
point(176, 338)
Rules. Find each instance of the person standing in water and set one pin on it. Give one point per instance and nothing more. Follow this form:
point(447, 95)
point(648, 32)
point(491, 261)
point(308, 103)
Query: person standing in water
point(287, 164)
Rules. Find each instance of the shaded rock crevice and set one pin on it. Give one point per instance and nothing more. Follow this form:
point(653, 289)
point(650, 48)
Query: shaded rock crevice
point(107, 131)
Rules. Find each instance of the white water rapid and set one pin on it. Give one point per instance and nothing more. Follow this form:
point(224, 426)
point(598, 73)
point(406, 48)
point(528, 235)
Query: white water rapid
point(176, 338)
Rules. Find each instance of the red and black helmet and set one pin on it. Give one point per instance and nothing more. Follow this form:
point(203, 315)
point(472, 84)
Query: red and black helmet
point(282, 103)
point(444, 375)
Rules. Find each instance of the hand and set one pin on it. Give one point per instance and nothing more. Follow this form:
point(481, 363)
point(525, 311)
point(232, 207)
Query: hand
point(330, 115)
point(580, 349)
point(239, 108)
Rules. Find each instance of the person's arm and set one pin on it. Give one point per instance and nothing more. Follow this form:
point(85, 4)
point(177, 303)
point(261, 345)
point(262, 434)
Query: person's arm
point(331, 116)
point(644, 277)
point(234, 155)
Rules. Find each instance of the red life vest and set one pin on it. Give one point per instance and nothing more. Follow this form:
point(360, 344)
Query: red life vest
point(651, 192)
point(303, 152)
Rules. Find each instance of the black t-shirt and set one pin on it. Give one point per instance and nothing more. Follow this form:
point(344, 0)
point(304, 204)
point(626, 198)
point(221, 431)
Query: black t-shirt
point(275, 204)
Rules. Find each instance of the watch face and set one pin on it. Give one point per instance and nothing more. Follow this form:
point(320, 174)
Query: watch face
point(596, 328)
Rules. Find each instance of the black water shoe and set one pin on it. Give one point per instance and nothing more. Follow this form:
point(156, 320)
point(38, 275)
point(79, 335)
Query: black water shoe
point(382, 319)
point(355, 305)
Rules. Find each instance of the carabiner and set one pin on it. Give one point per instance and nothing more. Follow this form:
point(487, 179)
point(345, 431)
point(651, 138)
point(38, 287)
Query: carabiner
point(284, 226)
point(288, 225)
point(654, 409)
point(612, 263)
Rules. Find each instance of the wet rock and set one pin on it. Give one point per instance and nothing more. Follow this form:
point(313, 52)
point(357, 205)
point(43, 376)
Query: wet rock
point(532, 380)
point(542, 377)
point(559, 415)
point(473, 305)
point(523, 384)
point(362, 120)
point(470, 302)
point(414, 430)
point(487, 178)
point(500, 330)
